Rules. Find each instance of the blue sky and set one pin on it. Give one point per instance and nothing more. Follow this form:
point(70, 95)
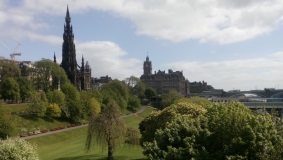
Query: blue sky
point(231, 44)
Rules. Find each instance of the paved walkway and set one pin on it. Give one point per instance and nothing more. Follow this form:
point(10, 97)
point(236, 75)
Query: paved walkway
point(75, 127)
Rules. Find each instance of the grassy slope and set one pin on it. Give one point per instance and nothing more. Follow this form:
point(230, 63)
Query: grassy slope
point(26, 124)
point(70, 145)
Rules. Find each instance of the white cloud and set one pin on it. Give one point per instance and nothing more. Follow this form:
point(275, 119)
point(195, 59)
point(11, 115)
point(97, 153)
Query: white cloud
point(222, 21)
point(107, 58)
point(244, 73)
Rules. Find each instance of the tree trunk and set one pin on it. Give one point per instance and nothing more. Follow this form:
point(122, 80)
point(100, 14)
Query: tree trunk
point(110, 152)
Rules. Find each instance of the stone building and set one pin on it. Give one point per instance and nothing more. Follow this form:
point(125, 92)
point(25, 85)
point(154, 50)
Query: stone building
point(78, 75)
point(164, 82)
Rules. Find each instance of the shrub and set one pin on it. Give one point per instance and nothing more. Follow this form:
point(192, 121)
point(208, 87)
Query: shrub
point(17, 149)
point(53, 110)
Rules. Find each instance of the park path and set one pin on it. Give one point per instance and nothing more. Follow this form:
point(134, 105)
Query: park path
point(76, 127)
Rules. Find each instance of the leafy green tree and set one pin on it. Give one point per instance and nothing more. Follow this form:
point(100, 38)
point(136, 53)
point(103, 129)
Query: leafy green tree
point(53, 110)
point(117, 91)
point(89, 103)
point(58, 97)
point(225, 131)
point(38, 105)
point(10, 89)
point(72, 102)
point(48, 75)
point(149, 93)
point(106, 129)
point(7, 124)
point(159, 119)
point(136, 86)
point(132, 136)
point(133, 103)
point(9, 69)
point(169, 98)
point(17, 149)
point(181, 139)
point(25, 86)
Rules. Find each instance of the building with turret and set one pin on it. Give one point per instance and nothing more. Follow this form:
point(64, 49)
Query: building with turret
point(164, 82)
point(79, 75)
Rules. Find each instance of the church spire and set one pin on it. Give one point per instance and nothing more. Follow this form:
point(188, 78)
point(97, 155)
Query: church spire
point(69, 62)
point(54, 58)
point(68, 18)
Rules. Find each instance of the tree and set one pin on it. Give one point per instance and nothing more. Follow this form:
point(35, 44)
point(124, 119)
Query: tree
point(169, 98)
point(10, 89)
point(25, 86)
point(159, 119)
point(7, 124)
point(136, 86)
point(149, 93)
point(58, 97)
point(107, 129)
point(225, 131)
point(117, 91)
point(72, 102)
point(38, 104)
point(133, 103)
point(17, 149)
point(9, 69)
point(48, 75)
point(89, 103)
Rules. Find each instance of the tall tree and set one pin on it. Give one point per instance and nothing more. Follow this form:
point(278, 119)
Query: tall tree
point(10, 89)
point(117, 91)
point(7, 123)
point(136, 86)
point(72, 102)
point(149, 93)
point(49, 75)
point(106, 129)
point(9, 69)
point(25, 86)
point(38, 104)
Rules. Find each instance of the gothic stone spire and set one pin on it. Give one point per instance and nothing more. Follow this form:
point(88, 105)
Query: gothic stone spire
point(69, 62)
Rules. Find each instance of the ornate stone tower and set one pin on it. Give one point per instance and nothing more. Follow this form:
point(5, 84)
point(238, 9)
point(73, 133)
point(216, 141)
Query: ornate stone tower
point(147, 67)
point(69, 62)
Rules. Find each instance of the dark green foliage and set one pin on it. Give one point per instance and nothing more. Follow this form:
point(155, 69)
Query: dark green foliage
point(49, 75)
point(133, 103)
point(58, 97)
point(136, 86)
point(117, 91)
point(25, 86)
point(223, 132)
point(38, 105)
point(72, 102)
point(169, 98)
point(7, 124)
point(90, 105)
point(149, 93)
point(159, 119)
point(9, 69)
point(10, 89)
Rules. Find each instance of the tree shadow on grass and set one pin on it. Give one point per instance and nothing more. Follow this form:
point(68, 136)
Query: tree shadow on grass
point(97, 157)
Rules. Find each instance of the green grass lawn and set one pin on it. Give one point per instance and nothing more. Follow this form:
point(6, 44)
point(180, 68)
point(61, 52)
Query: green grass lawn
point(25, 124)
point(70, 145)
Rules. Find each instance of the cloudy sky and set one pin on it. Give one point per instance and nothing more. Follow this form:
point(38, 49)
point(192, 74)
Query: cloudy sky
point(230, 44)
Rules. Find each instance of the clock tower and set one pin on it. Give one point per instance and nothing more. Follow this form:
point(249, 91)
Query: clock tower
point(147, 67)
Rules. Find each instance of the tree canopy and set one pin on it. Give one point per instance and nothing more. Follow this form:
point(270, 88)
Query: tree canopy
point(106, 129)
point(219, 132)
